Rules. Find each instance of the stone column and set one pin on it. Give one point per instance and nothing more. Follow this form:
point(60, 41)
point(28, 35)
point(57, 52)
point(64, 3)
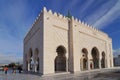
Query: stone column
point(88, 60)
point(89, 64)
point(105, 62)
point(111, 53)
point(35, 63)
point(66, 65)
point(70, 45)
point(100, 63)
point(35, 67)
point(28, 65)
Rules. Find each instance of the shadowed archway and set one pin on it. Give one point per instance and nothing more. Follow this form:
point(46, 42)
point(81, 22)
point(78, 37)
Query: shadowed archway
point(37, 59)
point(84, 59)
point(103, 60)
point(60, 60)
point(95, 57)
point(29, 60)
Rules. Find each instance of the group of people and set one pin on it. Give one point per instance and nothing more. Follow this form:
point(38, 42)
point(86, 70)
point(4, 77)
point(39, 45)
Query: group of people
point(5, 69)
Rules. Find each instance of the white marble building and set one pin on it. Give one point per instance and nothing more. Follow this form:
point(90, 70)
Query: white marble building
point(56, 43)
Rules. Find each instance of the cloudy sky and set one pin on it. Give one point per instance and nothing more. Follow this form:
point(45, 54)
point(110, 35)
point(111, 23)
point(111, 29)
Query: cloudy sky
point(17, 16)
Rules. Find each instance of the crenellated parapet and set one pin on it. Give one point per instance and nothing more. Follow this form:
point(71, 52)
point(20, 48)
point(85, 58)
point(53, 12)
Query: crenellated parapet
point(62, 17)
point(54, 13)
point(74, 19)
point(31, 31)
point(66, 18)
point(79, 22)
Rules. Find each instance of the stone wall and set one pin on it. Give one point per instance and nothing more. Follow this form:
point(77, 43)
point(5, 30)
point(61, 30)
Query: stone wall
point(52, 30)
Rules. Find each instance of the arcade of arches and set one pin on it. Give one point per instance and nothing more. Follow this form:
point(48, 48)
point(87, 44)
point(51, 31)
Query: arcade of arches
point(85, 64)
point(33, 60)
point(94, 62)
point(60, 61)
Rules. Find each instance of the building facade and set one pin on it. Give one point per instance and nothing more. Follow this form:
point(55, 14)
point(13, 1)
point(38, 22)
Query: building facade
point(116, 61)
point(56, 44)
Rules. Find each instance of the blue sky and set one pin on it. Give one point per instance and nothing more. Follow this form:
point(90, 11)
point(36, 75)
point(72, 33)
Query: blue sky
point(17, 16)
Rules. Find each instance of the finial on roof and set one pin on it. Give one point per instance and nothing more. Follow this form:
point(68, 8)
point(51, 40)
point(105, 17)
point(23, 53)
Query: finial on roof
point(69, 15)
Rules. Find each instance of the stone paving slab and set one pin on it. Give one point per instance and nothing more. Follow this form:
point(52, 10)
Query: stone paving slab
point(93, 75)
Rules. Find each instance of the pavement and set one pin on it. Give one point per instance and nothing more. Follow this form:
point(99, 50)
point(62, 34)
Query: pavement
point(104, 74)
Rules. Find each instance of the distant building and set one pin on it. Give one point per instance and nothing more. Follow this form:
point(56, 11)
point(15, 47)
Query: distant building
point(117, 61)
point(3, 64)
point(56, 43)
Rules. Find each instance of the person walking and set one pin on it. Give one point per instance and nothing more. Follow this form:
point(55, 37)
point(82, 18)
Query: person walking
point(5, 69)
point(14, 69)
point(19, 69)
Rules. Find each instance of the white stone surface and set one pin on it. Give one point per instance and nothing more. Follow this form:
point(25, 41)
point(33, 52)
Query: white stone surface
point(52, 30)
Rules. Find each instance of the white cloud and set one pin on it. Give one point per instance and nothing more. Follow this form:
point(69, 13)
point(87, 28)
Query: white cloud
point(85, 6)
point(99, 12)
point(13, 26)
point(6, 59)
point(13, 18)
point(109, 17)
point(69, 5)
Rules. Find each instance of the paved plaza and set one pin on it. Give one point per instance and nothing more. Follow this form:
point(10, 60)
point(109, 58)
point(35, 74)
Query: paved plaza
point(93, 75)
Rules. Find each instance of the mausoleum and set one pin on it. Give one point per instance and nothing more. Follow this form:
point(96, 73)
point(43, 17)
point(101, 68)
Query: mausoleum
point(56, 44)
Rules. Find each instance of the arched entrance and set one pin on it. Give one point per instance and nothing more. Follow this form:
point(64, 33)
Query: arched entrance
point(84, 64)
point(103, 60)
point(31, 60)
point(60, 60)
point(95, 57)
point(84, 59)
point(38, 65)
point(26, 66)
point(36, 60)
